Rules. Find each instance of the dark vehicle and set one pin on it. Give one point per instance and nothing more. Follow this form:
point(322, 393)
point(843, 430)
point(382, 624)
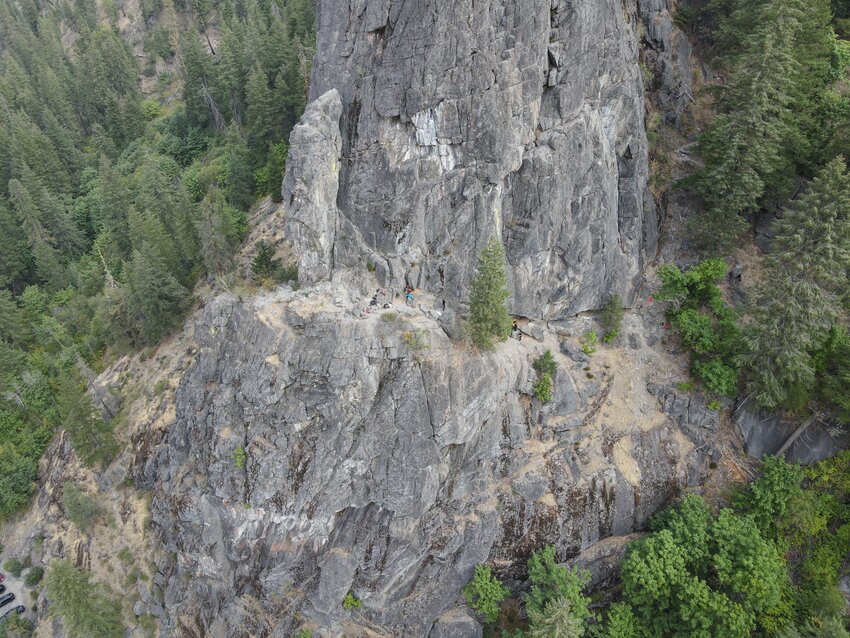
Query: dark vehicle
point(6, 599)
point(2, 588)
point(17, 610)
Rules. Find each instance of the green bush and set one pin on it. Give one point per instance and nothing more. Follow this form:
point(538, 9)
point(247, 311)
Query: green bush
point(551, 581)
point(34, 576)
point(304, 633)
point(287, 274)
point(543, 388)
point(708, 328)
point(546, 367)
point(768, 499)
point(81, 509)
point(240, 457)
point(717, 377)
point(589, 342)
point(16, 626)
point(415, 340)
point(727, 574)
point(545, 364)
point(87, 609)
point(696, 286)
point(14, 567)
point(351, 602)
point(485, 593)
point(150, 109)
point(700, 573)
point(829, 628)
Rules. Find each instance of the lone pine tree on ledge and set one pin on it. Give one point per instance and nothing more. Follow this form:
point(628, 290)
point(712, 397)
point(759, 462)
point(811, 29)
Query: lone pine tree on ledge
point(489, 320)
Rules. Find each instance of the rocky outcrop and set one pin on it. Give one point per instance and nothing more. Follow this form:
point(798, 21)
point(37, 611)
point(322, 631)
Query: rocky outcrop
point(311, 185)
point(316, 454)
point(461, 120)
point(765, 433)
point(667, 58)
point(320, 450)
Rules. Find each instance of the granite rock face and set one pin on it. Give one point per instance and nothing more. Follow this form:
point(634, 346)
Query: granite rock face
point(465, 119)
point(764, 433)
point(667, 54)
point(320, 450)
point(317, 454)
point(314, 155)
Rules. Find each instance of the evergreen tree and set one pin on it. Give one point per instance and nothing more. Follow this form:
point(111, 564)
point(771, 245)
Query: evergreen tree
point(155, 300)
point(147, 230)
point(555, 621)
point(166, 203)
point(16, 263)
point(833, 364)
point(13, 329)
point(87, 609)
point(219, 231)
point(489, 320)
point(115, 201)
point(799, 300)
point(49, 269)
point(275, 168)
point(239, 187)
point(263, 115)
point(264, 263)
point(744, 150)
point(90, 434)
point(200, 90)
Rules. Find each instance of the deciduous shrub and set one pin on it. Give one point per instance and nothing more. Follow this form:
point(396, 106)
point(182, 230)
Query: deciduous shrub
point(485, 593)
point(543, 388)
point(34, 576)
point(546, 367)
point(14, 567)
point(708, 328)
point(240, 457)
point(351, 602)
point(589, 342)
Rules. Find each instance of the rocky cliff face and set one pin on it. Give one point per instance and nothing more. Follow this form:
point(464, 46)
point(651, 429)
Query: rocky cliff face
point(318, 450)
point(316, 453)
point(464, 119)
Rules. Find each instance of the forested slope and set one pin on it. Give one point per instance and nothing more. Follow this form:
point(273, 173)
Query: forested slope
point(779, 142)
point(114, 204)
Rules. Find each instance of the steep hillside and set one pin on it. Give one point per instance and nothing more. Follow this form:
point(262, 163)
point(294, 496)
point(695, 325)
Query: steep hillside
point(324, 447)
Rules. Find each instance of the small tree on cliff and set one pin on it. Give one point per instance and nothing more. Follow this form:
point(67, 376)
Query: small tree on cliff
point(488, 315)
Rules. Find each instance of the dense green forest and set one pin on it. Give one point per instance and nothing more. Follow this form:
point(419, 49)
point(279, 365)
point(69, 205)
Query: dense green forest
point(113, 203)
point(766, 565)
point(780, 140)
